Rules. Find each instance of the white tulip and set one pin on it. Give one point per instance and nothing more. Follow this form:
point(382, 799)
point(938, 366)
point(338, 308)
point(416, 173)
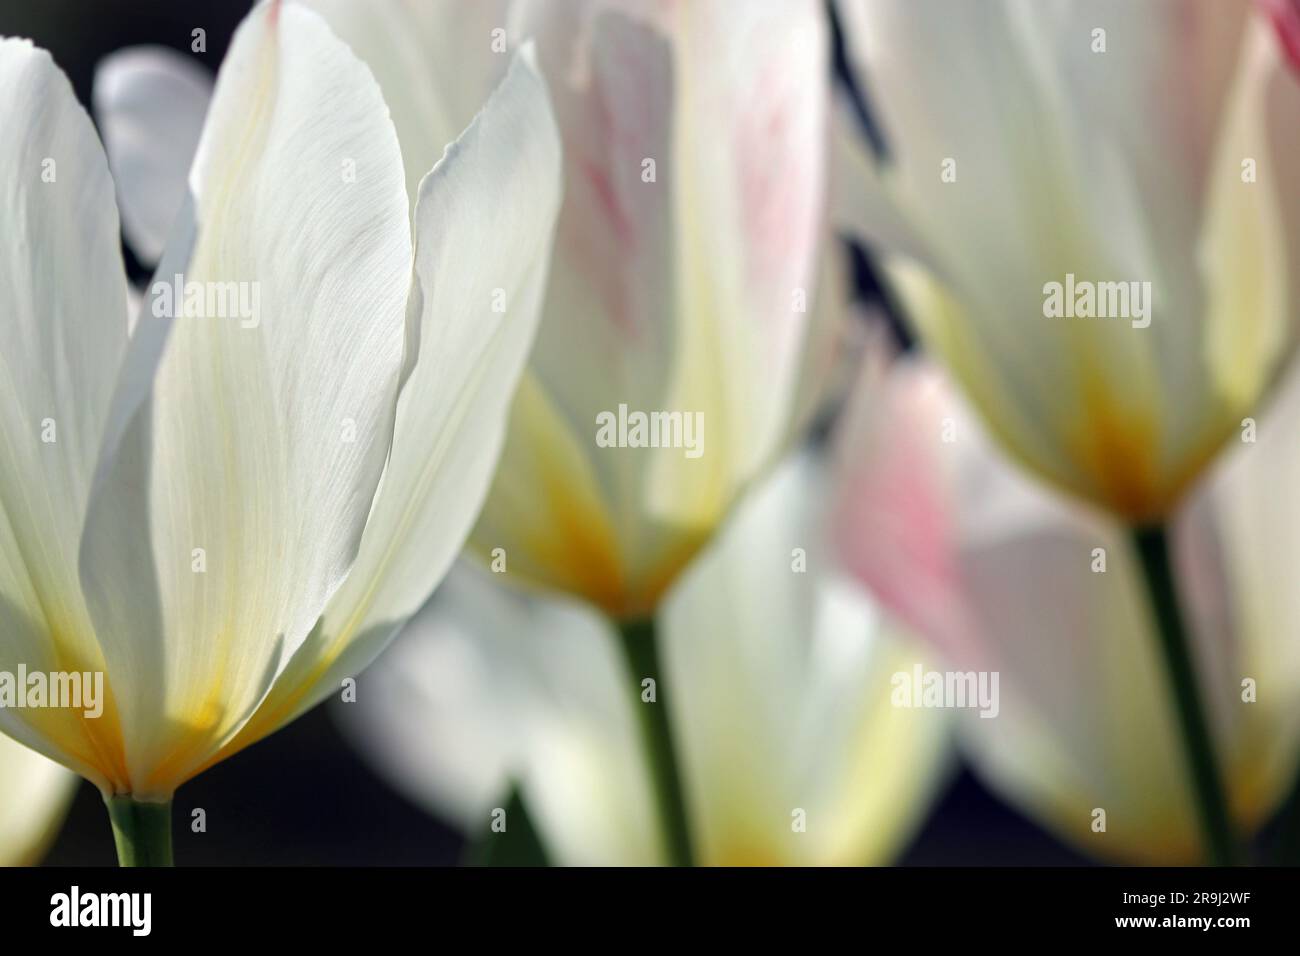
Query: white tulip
point(999, 574)
point(1037, 145)
point(206, 529)
point(778, 681)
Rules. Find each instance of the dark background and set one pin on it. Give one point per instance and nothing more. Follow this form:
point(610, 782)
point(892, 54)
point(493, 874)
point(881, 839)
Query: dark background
point(303, 796)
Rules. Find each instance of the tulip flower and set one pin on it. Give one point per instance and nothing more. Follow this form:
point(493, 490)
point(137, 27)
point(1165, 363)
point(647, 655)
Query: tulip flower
point(1110, 278)
point(1064, 162)
point(191, 511)
point(777, 671)
point(647, 308)
point(998, 573)
point(682, 314)
point(34, 797)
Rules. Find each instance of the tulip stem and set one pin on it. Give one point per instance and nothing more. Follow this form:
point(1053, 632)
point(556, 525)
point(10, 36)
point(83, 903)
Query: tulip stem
point(641, 652)
point(142, 831)
point(1152, 545)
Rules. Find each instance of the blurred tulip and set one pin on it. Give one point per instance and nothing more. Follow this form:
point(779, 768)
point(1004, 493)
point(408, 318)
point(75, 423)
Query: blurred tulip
point(685, 270)
point(686, 281)
point(1112, 142)
point(150, 103)
point(1000, 574)
point(779, 680)
point(34, 797)
point(191, 532)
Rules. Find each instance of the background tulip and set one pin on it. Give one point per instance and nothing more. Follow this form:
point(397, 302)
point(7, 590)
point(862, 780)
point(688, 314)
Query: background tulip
point(779, 680)
point(150, 103)
point(34, 796)
point(685, 279)
point(1087, 154)
point(1000, 574)
point(1007, 188)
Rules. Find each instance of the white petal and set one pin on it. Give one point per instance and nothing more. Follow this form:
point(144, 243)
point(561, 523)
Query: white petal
point(610, 299)
point(862, 200)
point(753, 78)
point(434, 60)
point(150, 103)
point(1244, 253)
point(779, 683)
point(34, 796)
point(483, 231)
point(234, 505)
point(1248, 519)
point(609, 317)
point(63, 331)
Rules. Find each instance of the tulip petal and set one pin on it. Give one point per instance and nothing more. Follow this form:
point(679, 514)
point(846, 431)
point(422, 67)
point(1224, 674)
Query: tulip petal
point(483, 228)
point(434, 60)
point(234, 504)
point(779, 677)
point(751, 214)
point(150, 103)
point(1244, 253)
point(485, 689)
point(684, 278)
point(1241, 536)
point(63, 332)
point(611, 289)
point(34, 797)
point(862, 200)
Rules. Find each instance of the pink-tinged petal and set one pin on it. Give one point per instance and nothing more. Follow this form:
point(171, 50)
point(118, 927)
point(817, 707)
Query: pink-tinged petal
point(612, 84)
point(1285, 17)
point(897, 527)
point(684, 280)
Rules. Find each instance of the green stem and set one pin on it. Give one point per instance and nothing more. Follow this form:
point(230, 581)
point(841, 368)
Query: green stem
point(641, 651)
point(1152, 545)
point(142, 831)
